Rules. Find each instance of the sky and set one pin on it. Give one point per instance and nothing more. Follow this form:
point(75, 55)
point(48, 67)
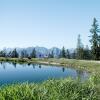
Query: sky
point(46, 23)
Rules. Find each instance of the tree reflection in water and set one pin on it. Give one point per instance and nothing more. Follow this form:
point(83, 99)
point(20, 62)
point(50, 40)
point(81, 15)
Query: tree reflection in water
point(14, 64)
point(29, 64)
point(39, 66)
point(63, 69)
point(3, 65)
point(33, 66)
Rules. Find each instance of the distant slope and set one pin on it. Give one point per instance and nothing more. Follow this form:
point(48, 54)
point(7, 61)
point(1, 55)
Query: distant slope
point(40, 51)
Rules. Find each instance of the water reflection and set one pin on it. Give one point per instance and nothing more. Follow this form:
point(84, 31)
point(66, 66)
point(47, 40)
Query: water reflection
point(80, 73)
point(33, 66)
point(39, 66)
point(63, 69)
point(3, 65)
point(29, 64)
point(10, 72)
point(14, 64)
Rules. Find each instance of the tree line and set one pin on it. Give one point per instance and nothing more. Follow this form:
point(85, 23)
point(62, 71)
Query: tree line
point(15, 54)
point(80, 52)
point(94, 52)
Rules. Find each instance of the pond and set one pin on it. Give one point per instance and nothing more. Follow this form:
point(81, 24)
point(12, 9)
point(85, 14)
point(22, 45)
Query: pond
point(12, 73)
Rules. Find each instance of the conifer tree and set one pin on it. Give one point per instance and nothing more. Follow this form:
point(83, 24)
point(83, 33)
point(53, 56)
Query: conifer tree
point(33, 54)
point(87, 53)
point(67, 54)
point(95, 40)
point(63, 52)
point(80, 48)
point(51, 55)
point(14, 54)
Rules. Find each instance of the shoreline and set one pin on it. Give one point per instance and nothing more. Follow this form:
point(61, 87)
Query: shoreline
point(88, 65)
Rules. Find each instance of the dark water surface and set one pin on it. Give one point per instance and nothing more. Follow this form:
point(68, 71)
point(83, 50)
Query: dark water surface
point(12, 72)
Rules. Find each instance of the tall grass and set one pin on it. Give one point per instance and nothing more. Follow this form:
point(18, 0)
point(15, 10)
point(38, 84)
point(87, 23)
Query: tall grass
point(67, 89)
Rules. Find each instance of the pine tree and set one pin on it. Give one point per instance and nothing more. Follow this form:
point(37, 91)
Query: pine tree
point(51, 55)
point(63, 53)
point(67, 54)
point(33, 54)
point(24, 54)
point(95, 40)
point(74, 55)
point(87, 53)
point(14, 54)
point(80, 48)
point(2, 53)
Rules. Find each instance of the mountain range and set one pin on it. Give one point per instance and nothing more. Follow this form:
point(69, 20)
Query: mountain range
point(40, 50)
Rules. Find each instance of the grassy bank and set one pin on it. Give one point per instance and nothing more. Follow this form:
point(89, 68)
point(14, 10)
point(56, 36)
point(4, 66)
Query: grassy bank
point(89, 65)
point(63, 89)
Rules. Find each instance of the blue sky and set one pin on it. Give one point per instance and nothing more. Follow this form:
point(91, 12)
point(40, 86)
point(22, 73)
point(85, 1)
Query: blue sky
point(48, 23)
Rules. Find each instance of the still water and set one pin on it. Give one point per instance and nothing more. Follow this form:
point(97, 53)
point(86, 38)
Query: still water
point(12, 73)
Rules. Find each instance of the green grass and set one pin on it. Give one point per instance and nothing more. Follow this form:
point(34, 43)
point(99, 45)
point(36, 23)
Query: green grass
point(63, 89)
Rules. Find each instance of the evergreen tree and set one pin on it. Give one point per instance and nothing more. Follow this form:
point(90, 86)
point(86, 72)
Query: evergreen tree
point(63, 53)
point(95, 40)
point(74, 55)
point(87, 53)
point(33, 54)
point(2, 53)
point(67, 54)
point(24, 54)
point(51, 55)
point(14, 54)
point(80, 49)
